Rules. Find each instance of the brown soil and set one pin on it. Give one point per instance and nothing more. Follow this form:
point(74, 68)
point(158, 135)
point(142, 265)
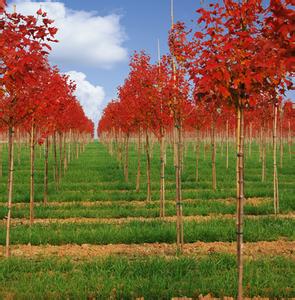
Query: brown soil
point(82, 203)
point(251, 250)
point(141, 219)
point(252, 201)
point(210, 297)
point(257, 201)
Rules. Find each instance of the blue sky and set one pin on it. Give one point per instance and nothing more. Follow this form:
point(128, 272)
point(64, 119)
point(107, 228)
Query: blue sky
point(97, 37)
point(144, 22)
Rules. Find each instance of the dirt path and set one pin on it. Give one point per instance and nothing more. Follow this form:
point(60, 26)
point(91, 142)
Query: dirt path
point(252, 201)
point(83, 220)
point(251, 250)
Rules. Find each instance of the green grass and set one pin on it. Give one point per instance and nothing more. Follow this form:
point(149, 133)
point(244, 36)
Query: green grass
point(98, 177)
point(151, 278)
point(115, 210)
point(267, 229)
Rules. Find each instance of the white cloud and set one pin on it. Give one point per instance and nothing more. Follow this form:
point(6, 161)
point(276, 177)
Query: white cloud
point(85, 38)
point(90, 96)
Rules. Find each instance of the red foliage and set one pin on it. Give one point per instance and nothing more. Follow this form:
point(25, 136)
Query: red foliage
point(2, 5)
point(31, 92)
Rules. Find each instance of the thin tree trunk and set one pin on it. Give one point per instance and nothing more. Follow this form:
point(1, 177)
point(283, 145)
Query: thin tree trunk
point(178, 159)
point(120, 155)
point(32, 173)
point(60, 156)
point(289, 139)
point(213, 148)
point(56, 175)
point(18, 147)
point(10, 187)
point(197, 155)
point(281, 144)
point(250, 139)
point(179, 218)
point(82, 148)
point(263, 155)
point(260, 145)
point(1, 162)
point(46, 172)
point(126, 171)
point(221, 139)
point(111, 145)
point(227, 143)
point(65, 162)
point(240, 199)
point(275, 171)
point(148, 166)
point(138, 161)
point(77, 147)
point(162, 173)
point(174, 147)
point(69, 146)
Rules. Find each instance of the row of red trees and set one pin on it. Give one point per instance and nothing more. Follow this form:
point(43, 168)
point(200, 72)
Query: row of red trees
point(239, 63)
point(36, 100)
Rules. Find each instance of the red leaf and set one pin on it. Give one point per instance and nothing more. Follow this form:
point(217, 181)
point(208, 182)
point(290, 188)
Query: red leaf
point(2, 5)
point(52, 31)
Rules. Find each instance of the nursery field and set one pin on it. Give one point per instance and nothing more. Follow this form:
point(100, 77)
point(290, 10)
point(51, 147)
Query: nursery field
point(97, 238)
point(189, 191)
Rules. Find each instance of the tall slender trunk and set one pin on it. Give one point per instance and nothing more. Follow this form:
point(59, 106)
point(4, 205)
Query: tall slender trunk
point(10, 187)
point(60, 142)
point(260, 145)
point(111, 150)
point(281, 143)
point(69, 147)
point(275, 170)
point(148, 166)
point(227, 143)
point(197, 155)
point(289, 139)
point(65, 157)
point(240, 198)
point(120, 154)
point(178, 158)
point(250, 139)
point(56, 175)
point(126, 171)
point(1, 162)
point(263, 154)
point(162, 173)
point(179, 218)
point(268, 137)
point(18, 147)
point(204, 148)
point(174, 147)
point(46, 171)
point(138, 161)
point(213, 149)
point(221, 140)
point(77, 147)
point(116, 143)
point(32, 173)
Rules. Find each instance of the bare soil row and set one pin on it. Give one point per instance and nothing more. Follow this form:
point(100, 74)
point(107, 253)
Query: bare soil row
point(256, 201)
point(82, 220)
point(87, 251)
